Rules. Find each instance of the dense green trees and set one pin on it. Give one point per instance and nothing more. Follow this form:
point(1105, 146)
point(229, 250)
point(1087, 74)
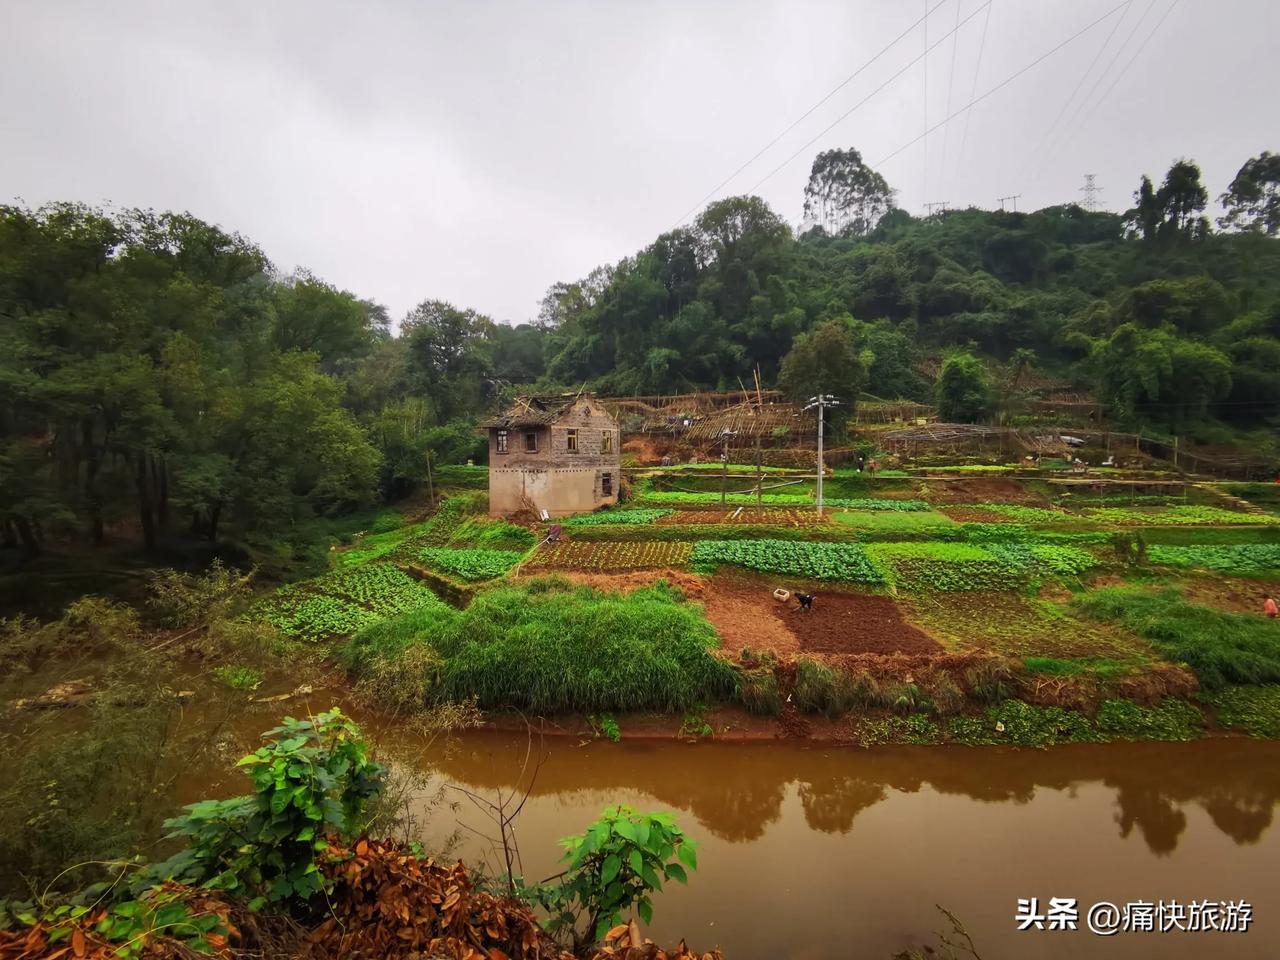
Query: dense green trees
point(158, 375)
point(702, 306)
point(963, 391)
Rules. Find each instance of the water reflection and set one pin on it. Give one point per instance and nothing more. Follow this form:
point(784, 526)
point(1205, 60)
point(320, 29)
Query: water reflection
point(735, 791)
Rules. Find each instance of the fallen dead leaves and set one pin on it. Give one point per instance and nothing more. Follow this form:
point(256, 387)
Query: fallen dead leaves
point(386, 903)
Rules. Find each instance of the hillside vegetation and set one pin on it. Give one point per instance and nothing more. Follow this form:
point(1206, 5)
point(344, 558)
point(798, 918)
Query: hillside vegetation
point(159, 376)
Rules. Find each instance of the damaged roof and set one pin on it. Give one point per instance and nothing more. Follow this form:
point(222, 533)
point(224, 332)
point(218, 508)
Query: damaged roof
point(533, 411)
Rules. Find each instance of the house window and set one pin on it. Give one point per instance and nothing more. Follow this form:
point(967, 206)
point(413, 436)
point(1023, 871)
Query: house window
point(572, 439)
point(502, 441)
point(606, 442)
point(531, 441)
point(606, 484)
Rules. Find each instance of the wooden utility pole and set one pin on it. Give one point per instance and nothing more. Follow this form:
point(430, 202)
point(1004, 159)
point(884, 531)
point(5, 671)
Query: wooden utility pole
point(821, 401)
point(724, 462)
point(759, 468)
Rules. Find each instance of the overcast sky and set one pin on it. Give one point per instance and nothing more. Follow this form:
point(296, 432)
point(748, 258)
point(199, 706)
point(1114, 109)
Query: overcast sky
point(479, 151)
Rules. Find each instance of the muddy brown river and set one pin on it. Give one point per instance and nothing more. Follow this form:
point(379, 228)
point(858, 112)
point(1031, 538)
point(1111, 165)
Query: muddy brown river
point(811, 851)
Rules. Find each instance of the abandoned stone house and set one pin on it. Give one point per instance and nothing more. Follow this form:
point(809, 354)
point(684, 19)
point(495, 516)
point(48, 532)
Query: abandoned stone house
point(556, 454)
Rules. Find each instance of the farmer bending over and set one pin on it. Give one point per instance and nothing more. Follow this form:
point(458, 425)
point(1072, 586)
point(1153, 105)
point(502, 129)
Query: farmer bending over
point(806, 601)
point(1270, 608)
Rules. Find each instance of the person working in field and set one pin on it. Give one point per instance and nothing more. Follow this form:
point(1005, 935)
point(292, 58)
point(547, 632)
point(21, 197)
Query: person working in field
point(806, 602)
point(1270, 608)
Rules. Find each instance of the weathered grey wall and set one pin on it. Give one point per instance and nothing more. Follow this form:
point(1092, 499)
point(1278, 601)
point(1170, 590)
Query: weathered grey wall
point(555, 479)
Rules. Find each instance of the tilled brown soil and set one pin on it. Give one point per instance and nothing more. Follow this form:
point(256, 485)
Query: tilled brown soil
point(978, 490)
point(854, 623)
point(742, 611)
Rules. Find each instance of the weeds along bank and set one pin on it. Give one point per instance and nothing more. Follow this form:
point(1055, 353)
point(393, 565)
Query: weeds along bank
point(288, 870)
point(113, 713)
point(940, 617)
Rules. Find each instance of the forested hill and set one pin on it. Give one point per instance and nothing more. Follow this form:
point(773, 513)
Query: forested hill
point(1166, 320)
point(158, 374)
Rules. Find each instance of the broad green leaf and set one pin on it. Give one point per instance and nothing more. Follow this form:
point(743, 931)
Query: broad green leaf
point(688, 854)
point(612, 864)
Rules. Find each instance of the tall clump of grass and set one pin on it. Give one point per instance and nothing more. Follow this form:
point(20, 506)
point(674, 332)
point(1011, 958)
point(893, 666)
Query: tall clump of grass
point(389, 640)
point(816, 688)
point(1219, 647)
point(549, 646)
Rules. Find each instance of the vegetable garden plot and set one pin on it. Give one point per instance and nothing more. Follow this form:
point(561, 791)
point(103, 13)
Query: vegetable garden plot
point(968, 567)
point(606, 555)
point(344, 601)
point(469, 564)
point(776, 517)
point(607, 518)
point(1180, 516)
point(1244, 558)
point(798, 558)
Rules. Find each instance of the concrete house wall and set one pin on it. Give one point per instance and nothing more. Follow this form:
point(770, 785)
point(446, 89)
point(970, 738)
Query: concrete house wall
point(554, 477)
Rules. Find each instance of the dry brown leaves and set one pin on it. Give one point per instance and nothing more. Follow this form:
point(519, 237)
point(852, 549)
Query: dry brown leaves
point(83, 943)
point(625, 943)
point(388, 903)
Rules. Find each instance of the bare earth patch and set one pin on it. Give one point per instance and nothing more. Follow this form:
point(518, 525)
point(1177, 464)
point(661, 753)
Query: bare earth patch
point(979, 490)
point(742, 610)
point(854, 623)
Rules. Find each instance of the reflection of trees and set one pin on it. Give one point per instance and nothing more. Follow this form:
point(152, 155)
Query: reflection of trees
point(1153, 813)
point(736, 790)
point(1244, 819)
point(830, 804)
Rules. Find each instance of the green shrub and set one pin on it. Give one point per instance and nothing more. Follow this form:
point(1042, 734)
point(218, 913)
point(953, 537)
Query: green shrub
point(1220, 647)
point(614, 865)
point(312, 776)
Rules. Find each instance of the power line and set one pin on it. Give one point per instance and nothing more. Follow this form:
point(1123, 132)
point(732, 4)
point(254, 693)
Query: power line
point(1110, 63)
point(924, 101)
point(1137, 53)
point(951, 85)
point(1005, 82)
point(982, 45)
point(1084, 76)
point(840, 119)
point(795, 123)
